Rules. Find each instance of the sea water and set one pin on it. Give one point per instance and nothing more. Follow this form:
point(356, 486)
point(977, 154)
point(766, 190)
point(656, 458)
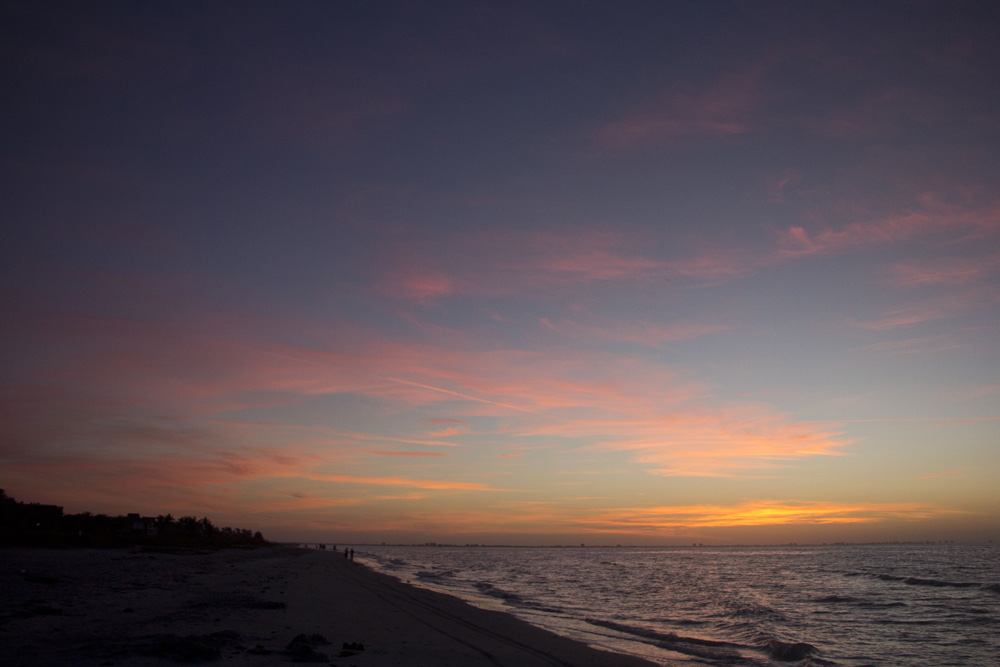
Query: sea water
point(907, 605)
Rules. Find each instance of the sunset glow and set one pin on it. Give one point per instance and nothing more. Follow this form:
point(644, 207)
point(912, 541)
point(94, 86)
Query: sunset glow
point(396, 272)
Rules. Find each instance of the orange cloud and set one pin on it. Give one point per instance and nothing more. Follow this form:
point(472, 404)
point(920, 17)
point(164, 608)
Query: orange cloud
point(578, 516)
point(404, 481)
point(730, 441)
point(946, 473)
point(667, 421)
point(754, 513)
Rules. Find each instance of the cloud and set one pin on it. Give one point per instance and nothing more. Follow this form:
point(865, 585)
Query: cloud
point(946, 473)
point(152, 372)
point(538, 265)
point(887, 111)
point(726, 107)
point(736, 440)
point(936, 344)
point(944, 270)
point(451, 431)
point(940, 308)
point(200, 478)
point(929, 216)
point(409, 454)
point(440, 485)
point(754, 513)
point(780, 183)
point(420, 284)
point(642, 332)
point(456, 394)
point(587, 516)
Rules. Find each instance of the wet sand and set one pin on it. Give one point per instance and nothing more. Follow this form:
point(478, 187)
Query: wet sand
point(255, 608)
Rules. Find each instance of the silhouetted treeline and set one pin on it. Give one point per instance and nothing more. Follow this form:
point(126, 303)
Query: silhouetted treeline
point(32, 524)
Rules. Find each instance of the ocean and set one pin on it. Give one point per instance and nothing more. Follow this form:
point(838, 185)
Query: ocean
point(841, 605)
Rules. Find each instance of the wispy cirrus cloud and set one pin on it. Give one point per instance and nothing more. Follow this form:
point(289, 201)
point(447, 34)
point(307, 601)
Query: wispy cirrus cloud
point(664, 419)
point(944, 271)
point(541, 264)
point(945, 473)
point(936, 344)
point(435, 484)
point(724, 107)
point(198, 478)
point(736, 440)
point(881, 112)
point(937, 308)
point(538, 265)
point(642, 332)
point(930, 216)
point(410, 454)
point(524, 263)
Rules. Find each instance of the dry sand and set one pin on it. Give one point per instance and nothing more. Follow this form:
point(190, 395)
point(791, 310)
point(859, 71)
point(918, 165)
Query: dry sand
point(263, 607)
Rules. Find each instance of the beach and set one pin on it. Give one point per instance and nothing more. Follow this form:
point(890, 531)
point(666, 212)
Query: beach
point(251, 607)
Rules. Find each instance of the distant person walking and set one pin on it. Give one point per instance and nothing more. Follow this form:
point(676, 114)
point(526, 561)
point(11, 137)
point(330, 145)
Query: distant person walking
point(352, 555)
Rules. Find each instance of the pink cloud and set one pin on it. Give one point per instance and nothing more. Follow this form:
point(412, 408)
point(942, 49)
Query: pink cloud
point(946, 473)
point(536, 264)
point(939, 308)
point(150, 373)
point(332, 106)
point(944, 271)
point(725, 107)
point(450, 432)
point(924, 345)
point(883, 112)
point(192, 477)
point(728, 441)
point(417, 284)
point(162, 388)
point(644, 333)
point(779, 183)
point(930, 216)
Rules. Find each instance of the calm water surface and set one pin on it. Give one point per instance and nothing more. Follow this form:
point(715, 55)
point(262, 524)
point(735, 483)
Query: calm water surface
point(912, 605)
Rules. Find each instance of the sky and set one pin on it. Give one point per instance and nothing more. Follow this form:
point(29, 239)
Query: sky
point(514, 272)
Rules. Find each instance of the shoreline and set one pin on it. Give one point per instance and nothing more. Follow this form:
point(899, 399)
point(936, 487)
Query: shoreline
point(130, 607)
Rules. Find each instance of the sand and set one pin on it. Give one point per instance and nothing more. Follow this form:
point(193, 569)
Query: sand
point(260, 607)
